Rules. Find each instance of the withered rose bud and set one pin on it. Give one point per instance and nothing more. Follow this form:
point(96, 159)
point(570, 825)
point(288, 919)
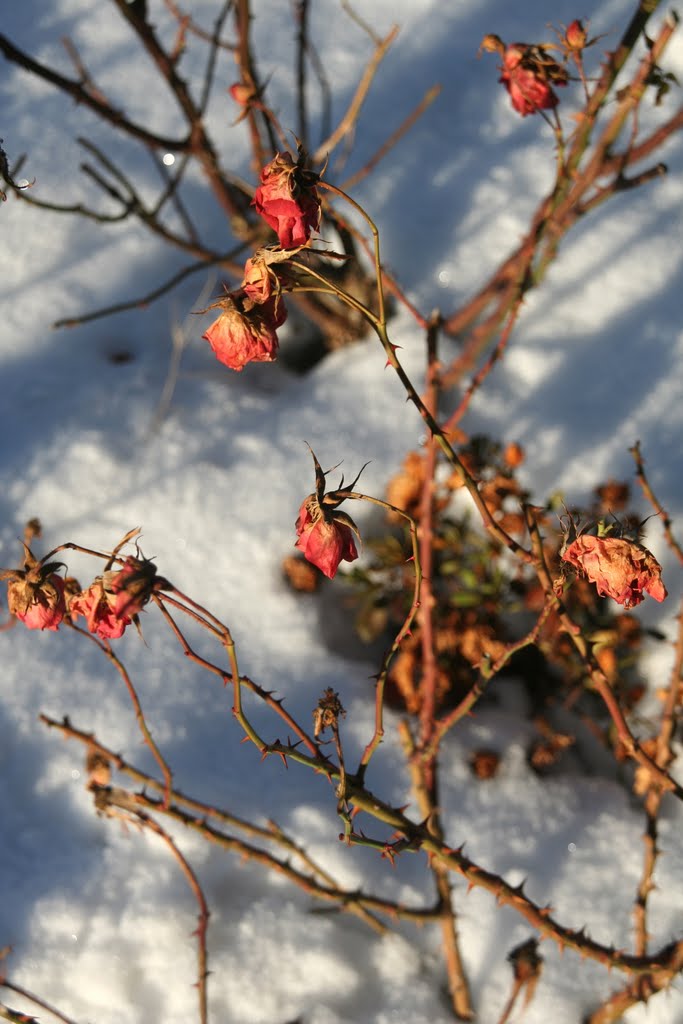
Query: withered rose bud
point(97, 609)
point(492, 43)
point(131, 586)
point(324, 534)
point(328, 712)
point(35, 594)
point(575, 36)
point(241, 93)
point(526, 961)
point(259, 283)
point(113, 600)
point(240, 336)
point(527, 74)
point(288, 201)
point(621, 569)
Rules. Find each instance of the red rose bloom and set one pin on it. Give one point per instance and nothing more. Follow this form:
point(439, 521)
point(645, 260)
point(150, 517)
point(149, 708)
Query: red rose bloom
point(240, 336)
point(620, 569)
point(288, 201)
point(526, 76)
point(325, 537)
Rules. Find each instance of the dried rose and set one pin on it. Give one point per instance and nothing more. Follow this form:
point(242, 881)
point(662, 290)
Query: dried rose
point(113, 600)
point(288, 201)
point(35, 594)
point(240, 336)
point(620, 569)
point(242, 93)
point(259, 283)
point(527, 75)
point(325, 537)
point(324, 534)
point(575, 36)
point(131, 585)
point(101, 617)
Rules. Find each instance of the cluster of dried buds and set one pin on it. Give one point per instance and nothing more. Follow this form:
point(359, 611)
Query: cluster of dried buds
point(529, 72)
point(246, 329)
point(42, 599)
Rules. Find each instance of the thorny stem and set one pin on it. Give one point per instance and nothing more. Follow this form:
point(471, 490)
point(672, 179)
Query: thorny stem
point(668, 960)
point(482, 374)
point(22, 1018)
point(655, 502)
point(378, 323)
point(227, 677)
point(557, 213)
point(425, 786)
point(106, 649)
point(319, 883)
point(596, 675)
point(111, 801)
point(402, 633)
point(428, 681)
point(381, 312)
point(487, 671)
point(664, 753)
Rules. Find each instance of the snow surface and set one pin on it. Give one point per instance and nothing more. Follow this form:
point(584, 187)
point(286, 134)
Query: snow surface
point(100, 919)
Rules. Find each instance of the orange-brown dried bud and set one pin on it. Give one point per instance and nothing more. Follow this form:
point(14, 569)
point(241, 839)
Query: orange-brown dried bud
point(328, 712)
point(575, 36)
point(35, 594)
point(513, 455)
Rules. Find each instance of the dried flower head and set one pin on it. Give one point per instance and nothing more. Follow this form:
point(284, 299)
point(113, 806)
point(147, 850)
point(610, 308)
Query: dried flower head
point(244, 335)
point(528, 74)
point(620, 568)
point(324, 534)
point(328, 712)
point(113, 600)
point(575, 36)
point(287, 199)
point(35, 594)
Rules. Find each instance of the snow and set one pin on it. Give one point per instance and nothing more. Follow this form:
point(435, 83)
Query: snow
point(99, 917)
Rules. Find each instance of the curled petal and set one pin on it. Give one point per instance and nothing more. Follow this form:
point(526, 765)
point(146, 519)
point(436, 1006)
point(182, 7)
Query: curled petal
point(620, 569)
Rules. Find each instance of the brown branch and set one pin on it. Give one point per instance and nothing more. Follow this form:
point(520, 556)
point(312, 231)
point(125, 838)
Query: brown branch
point(424, 783)
point(350, 117)
point(74, 89)
point(21, 1018)
point(111, 801)
point(655, 502)
point(393, 139)
point(106, 649)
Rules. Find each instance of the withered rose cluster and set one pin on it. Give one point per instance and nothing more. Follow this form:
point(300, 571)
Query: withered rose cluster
point(529, 72)
point(246, 330)
point(41, 599)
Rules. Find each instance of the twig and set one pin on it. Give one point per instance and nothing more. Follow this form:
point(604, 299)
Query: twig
point(106, 649)
point(349, 119)
point(393, 139)
point(655, 502)
point(112, 801)
point(22, 1018)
